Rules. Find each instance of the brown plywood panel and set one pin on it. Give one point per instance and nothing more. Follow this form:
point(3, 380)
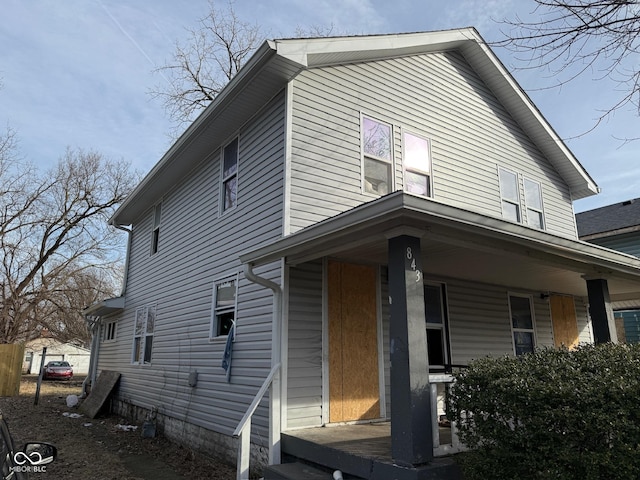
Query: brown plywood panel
point(353, 343)
point(564, 320)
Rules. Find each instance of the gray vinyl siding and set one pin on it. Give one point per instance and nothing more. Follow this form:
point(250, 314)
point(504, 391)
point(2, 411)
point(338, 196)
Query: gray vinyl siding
point(627, 243)
point(304, 362)
point(436, 95)
point(197, 246)
point(585, 332)
point(479, 321)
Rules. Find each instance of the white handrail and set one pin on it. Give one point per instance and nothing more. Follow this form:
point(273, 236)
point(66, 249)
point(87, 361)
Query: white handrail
point(243, 430)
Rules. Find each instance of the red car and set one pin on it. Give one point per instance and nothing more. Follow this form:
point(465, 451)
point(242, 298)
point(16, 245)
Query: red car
point(58, 370)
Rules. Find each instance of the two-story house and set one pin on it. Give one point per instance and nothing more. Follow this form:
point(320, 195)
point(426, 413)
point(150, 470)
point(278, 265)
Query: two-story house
point(365, 213)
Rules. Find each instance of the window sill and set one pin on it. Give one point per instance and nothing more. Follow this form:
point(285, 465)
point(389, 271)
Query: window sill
point(222, 339)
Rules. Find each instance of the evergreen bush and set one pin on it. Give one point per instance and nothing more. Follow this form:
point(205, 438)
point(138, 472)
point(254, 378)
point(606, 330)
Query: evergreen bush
point(552, 414)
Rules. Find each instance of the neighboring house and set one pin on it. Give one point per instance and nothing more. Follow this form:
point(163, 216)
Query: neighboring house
point(367, 211)
point(617, 227)
point(56, 350)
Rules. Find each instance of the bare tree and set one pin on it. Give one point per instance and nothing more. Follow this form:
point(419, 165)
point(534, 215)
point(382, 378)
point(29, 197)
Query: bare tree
point(198, 71)
point(54, 237)
point(574, 37)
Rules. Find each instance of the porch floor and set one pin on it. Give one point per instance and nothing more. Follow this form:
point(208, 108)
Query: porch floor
point(361, 450)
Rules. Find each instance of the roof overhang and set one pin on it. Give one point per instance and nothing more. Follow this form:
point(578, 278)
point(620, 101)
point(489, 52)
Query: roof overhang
point(277, 62)
point(460, 244)
point(104, 308)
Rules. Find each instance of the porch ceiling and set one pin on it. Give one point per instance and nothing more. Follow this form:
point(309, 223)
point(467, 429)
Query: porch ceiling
point(460, 244)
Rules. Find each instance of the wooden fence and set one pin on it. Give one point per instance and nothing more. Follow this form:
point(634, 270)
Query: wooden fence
point(11, 358)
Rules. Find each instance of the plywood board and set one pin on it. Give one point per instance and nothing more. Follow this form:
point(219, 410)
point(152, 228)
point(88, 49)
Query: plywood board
point(353, 343)
point(564, 320)
point(99, 393)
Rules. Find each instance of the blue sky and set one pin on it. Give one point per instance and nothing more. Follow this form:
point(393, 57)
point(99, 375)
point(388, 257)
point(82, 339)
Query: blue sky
point(77, 73)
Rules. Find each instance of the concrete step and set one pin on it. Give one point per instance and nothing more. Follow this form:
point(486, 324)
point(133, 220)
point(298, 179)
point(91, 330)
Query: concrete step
point(295, 471)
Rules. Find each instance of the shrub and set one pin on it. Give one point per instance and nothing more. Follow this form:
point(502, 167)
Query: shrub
point(552, 414)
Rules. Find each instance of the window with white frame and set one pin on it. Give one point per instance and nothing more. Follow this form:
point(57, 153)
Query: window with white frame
point(223, 313)
point(377, 161)
point(533, 203)
point(522, 323)
point(416, 159)
point(110, 331)
point(155, 236)
point(510, 195)
point(145, 322)
point(436, 324)
point(230, 175)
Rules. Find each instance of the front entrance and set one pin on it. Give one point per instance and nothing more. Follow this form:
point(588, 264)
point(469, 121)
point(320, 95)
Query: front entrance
point(354, 389)
point(564, 320)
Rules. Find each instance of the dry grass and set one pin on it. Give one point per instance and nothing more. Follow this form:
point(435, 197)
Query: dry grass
point(96, 448)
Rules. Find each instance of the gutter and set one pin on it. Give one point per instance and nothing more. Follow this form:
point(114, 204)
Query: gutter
point(275, 395)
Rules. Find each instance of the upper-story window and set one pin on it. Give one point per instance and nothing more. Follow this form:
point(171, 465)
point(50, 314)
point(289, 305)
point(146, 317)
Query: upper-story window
point(416, 159)
point(510, 194)
point(145, 323)
point(533, 200)
point(513, 208)
point(377, 161)
point(155, 236)
point(230, 175)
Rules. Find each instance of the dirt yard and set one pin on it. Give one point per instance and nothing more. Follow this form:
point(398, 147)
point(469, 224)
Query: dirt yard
point(98, 448)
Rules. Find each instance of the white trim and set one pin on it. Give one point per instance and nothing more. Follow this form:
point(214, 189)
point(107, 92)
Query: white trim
point(288, 159)
point(144, 335)
point(114, 337)
point(223, 179)
point(325, 341)
point(156, 223)
point(380, 334)
point(429, 141)
point(391, 162)
point(284, 351)
point(444, 309)
point(213, 317)
point(526, 206)
point(533, 319)
point(507, 200)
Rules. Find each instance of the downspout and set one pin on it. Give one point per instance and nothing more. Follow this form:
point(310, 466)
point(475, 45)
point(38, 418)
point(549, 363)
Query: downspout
point(126, 258)
point(95, 326)
point(275, 426)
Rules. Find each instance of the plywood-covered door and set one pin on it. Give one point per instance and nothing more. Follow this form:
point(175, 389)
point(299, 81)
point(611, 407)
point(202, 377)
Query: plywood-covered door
point(564, 320)
point(354, 391)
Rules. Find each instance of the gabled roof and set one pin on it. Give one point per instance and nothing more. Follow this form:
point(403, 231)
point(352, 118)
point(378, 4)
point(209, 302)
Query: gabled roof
point(277, 62)
point(610, 220)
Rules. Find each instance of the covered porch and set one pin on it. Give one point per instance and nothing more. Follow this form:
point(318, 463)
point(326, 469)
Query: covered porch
point(413, 238)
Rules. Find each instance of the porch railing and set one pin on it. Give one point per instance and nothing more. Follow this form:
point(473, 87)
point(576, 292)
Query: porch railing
point(445, 433)
point(243, 430)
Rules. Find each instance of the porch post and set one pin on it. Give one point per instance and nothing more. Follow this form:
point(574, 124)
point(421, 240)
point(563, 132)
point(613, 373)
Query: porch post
point(411, 437)
point(602, 318)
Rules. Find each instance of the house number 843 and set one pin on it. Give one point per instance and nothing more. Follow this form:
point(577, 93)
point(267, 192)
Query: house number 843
point(412, 259)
